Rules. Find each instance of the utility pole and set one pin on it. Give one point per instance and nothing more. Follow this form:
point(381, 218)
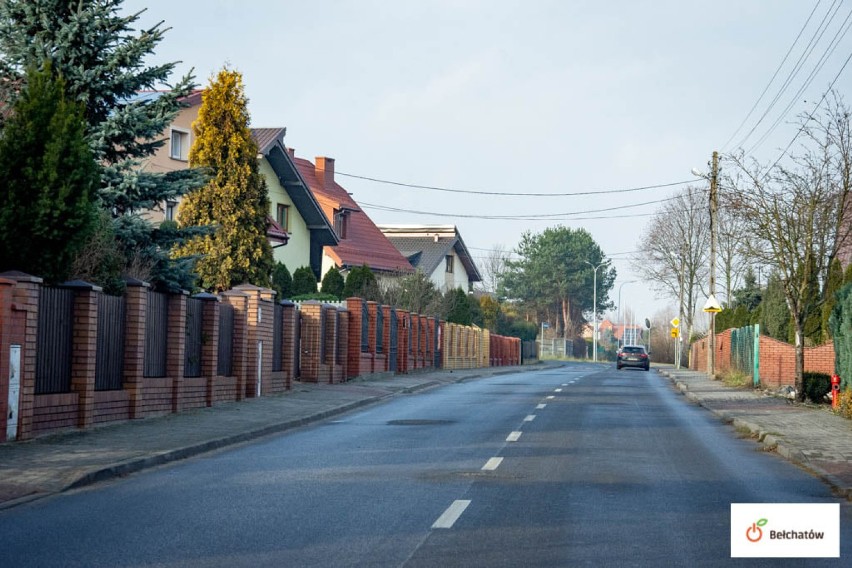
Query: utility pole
point(714, 204)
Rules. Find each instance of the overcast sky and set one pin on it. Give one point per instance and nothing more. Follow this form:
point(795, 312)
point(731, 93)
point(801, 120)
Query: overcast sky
point(515, 96)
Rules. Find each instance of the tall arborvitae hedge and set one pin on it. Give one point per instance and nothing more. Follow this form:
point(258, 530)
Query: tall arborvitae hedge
point(840, 322)
point(235, 199)
point(50, 180)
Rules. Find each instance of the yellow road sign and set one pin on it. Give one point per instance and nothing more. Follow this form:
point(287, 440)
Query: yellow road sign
point(675, 332)
point(675, 322)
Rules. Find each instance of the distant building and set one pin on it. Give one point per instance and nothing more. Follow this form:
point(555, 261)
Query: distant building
point(438, 251)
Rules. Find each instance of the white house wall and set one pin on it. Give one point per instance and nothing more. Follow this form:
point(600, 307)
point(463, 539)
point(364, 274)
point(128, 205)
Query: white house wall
point(297, 252)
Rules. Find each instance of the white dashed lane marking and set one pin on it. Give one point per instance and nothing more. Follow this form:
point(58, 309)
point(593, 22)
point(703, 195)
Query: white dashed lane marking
point(529, 418)
point(492, 464)
point(558, 390)
point(451, 515)
point(540, 406)
point(513, 437)
point(551, 397)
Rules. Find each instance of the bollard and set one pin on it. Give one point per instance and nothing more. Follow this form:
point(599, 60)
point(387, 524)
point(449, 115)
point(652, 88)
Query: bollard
point(835, 390)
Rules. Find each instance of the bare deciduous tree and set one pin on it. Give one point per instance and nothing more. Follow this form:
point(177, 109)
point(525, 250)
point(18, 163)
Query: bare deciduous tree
point(675, 247)
point(493, 267)
point(798, 216)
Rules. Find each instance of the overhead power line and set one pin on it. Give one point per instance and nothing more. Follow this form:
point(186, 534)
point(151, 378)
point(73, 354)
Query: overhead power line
point(774, 75)
point(797, 67)
point(516, 194)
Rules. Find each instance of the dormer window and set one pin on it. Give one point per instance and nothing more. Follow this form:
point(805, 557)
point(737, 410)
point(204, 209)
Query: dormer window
point(341, 222)
point(179, 147)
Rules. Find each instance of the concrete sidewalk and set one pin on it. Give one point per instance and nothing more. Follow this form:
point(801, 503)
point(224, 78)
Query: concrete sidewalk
point(809, 436)
point(55, 463)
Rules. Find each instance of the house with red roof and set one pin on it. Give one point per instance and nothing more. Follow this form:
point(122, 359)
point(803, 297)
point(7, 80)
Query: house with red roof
point(361, 243)
point(298, 229)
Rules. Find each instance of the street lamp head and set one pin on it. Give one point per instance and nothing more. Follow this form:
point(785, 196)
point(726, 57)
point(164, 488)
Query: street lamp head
point(698, 173)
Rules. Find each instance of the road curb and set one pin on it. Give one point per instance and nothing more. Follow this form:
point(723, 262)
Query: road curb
point(139, 464)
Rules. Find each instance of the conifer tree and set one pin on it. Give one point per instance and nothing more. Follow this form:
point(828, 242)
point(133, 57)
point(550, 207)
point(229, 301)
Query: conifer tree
point(47, 206)
point(282, 282)
point(304, 281)
point(235, 199)
point(332, 282)
point(102, 57)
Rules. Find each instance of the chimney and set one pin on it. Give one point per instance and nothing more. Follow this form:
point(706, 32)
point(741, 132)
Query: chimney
point(325, 171)
point(292, 152)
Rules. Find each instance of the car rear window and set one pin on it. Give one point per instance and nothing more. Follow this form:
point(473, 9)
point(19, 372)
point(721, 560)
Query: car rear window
point(634, 349)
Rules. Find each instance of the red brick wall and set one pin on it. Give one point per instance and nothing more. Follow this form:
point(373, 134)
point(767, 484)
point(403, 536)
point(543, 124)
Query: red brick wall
point(111, 406)
point(777, 358)
point(53, 412)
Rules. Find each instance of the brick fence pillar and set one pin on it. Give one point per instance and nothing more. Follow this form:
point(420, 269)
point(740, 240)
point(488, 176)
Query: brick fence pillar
point(353, 357)
point(84, 348)
point(135, 317)
point(6, 287)
point(176, 346)
point(25, 305)
point(259, 338)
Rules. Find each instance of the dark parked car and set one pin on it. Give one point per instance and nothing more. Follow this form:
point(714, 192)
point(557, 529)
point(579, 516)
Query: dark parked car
point(632, 356)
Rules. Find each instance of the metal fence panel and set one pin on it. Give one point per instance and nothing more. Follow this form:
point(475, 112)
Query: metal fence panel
point(277, 337)
point(54, 340)
point(365, 328)
point(109, 361)
point(743, 341)
point(194, 330)
point(393, 343)
point(156, 335)
point(226, 341)
point(380, 329)
point(297, 346)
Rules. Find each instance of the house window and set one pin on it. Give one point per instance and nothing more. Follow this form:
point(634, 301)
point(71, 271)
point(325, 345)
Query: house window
point(179, 145)
point(341, 223)
point(282, 216)
point(171, 209)
point(450, 263)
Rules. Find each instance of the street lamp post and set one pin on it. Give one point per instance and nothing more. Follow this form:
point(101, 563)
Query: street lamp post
point(595, 308)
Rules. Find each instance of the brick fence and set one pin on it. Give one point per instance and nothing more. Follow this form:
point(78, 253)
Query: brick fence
point(73, 367)
point(777, 365)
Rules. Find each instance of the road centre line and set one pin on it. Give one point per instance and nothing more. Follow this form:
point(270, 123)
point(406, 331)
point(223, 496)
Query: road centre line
point(540, 406)
point(551, 397)
point(451, 515)
point(558, 390)
point(529, 418)
point(492, 464)
point(564, 384)
point(513, 437)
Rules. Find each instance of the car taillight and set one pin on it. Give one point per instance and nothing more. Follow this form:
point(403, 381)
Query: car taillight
point(643, 355)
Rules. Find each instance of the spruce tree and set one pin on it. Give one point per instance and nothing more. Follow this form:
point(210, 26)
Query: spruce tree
point(102, 58)
point(361, 283)
point(47, 207)
point(235, 199)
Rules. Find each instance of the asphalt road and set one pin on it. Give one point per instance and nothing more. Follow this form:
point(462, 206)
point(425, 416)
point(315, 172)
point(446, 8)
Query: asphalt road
point(575, 466)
